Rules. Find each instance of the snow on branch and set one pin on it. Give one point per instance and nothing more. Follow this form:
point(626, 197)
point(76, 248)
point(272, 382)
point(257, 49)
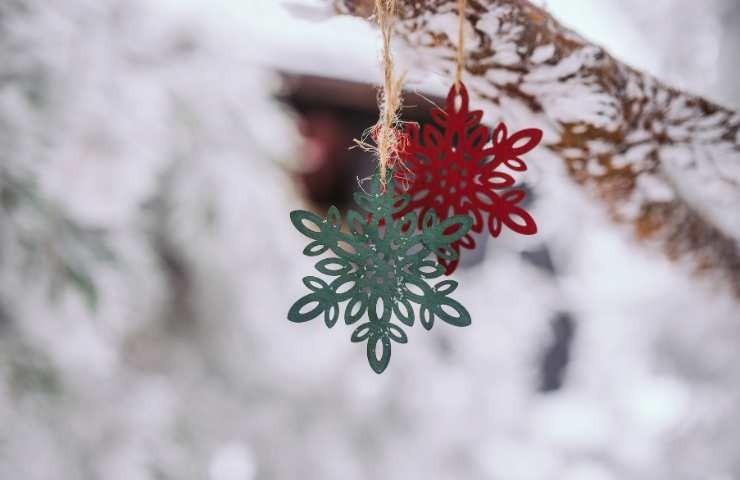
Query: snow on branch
point(663, 160)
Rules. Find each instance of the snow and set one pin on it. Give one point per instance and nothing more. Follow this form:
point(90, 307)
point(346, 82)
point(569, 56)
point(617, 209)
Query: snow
point(542, 53)
point(654, 188)
point(703, 182)
point(232, 462)
point(206, 378)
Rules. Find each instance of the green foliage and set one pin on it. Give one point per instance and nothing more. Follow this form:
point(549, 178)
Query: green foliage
point(50, 241)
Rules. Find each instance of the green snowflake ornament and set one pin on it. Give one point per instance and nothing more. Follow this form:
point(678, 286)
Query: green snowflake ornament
point(381, 268)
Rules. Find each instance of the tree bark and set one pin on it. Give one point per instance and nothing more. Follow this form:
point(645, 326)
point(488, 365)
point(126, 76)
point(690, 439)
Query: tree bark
point(663, 160)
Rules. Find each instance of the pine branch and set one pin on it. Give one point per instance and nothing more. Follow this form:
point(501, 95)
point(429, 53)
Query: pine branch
point(663, 160)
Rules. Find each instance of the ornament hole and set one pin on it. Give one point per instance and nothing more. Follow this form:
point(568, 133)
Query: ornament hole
point(428, 269)
point(457, 102)
point(406, 226)
point(355, 310)
point(518, 219)
point(345, 287)
point(420, 195)
point(346, 247)
point(378, 353)
point(414, 289)
point(314, 283)
point(452, 229)
point(402, 309)
point(314, 304)
point(311, 225)
point(483, 198)
point(415, 249)
point(522, 142)
point(334, 267)
point(447, 309)
point(379, 307)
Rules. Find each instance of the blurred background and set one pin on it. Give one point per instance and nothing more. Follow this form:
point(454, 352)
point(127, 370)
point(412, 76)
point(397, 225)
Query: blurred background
point(150, 151)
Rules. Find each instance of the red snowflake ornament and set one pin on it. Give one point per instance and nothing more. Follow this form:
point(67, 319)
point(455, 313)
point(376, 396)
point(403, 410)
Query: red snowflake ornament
point(453, 168)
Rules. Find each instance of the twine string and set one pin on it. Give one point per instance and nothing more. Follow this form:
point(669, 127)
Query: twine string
point(461, 4)
point(390, 95)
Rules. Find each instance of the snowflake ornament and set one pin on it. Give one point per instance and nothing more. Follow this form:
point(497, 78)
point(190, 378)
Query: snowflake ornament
point(453, 168)
point(381, 268)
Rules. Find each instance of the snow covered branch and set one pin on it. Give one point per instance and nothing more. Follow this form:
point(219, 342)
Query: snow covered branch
point(663, 160)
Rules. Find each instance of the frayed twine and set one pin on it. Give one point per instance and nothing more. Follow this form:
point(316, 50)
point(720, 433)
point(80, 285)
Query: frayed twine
point(398, 140)
point(389, 97)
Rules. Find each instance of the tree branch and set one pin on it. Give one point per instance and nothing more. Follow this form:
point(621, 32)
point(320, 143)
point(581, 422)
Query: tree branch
point(663, 160)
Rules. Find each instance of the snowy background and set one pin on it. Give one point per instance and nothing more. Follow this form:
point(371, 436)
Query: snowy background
point(147, 264)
